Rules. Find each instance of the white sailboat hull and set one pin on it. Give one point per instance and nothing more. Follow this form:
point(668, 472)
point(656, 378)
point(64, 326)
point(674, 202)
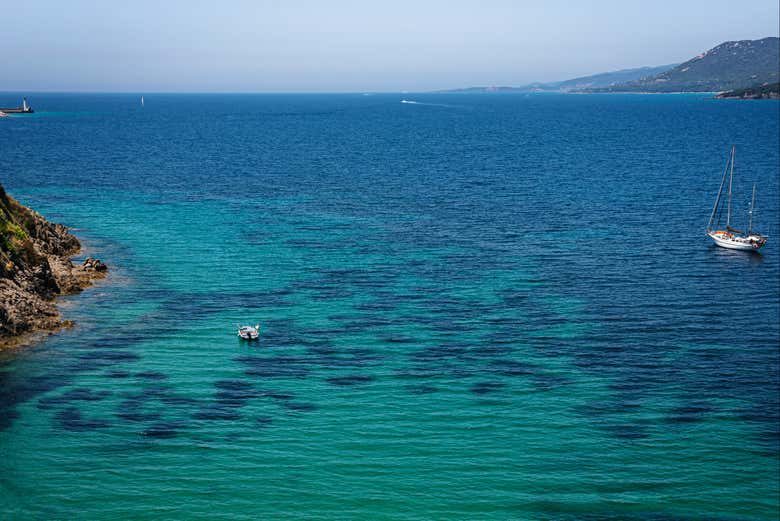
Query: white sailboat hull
point(733, 242)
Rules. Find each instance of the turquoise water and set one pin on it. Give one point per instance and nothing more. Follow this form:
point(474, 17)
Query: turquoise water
point(473, 307)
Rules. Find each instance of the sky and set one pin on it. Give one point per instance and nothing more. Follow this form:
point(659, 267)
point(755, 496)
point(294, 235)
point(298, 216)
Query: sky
point(353, 46)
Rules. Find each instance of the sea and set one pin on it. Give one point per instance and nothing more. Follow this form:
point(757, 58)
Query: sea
point(472, 307)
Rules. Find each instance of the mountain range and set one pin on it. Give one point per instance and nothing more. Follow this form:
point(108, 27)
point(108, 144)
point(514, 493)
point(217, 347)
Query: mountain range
point(600, 80)
point(728, 66)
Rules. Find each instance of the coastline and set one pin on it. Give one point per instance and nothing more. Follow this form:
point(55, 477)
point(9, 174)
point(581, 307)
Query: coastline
point(36, 268)
point(573, 92)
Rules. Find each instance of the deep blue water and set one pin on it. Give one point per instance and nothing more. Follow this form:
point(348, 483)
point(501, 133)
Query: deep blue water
point(473, 306)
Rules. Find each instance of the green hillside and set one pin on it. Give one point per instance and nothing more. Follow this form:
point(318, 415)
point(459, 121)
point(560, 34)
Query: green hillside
point(729, 66)
point(608, 79)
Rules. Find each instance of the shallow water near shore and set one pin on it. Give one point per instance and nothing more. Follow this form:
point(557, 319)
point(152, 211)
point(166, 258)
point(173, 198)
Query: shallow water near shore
point(472, 307)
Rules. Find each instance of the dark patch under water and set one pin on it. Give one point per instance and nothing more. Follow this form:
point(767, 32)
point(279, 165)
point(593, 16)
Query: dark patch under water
point(151, 375)
point(694, 412)
point(353, 379)
point(263, 421)
point(487, 387)
point(135, 410)
point(117, 374)
point(15, 390)
point(217, 413)
point(298, 406)
point(176, 400)
point(234, 398)
point(71, 419)
point(233, 385)
point(78, 394)
point(164, 430)
point(277, 395)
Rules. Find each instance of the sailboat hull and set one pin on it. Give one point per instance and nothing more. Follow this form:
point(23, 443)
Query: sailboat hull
point(751, 243)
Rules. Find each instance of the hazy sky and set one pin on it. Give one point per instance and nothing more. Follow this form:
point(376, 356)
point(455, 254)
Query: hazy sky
point(340, 45)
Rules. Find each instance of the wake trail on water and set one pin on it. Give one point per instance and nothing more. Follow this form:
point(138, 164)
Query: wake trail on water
point(412, 102)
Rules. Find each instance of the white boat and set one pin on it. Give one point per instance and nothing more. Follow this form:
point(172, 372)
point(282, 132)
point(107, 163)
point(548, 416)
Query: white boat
point(729, 237)
point(142, 101)
point(249, 332)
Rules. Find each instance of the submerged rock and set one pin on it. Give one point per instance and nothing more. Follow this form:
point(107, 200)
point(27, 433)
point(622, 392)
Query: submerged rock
point(35, 268)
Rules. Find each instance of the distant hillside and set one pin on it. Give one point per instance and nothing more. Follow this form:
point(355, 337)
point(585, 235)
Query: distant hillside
point(608, 79)
point(729, 66)
point(763, 92)
point(603, 79)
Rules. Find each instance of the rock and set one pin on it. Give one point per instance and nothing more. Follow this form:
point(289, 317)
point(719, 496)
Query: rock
point(91, 264)
point(35, 268)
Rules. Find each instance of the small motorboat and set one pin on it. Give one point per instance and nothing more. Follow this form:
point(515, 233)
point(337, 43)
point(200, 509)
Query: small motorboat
point(249, 332)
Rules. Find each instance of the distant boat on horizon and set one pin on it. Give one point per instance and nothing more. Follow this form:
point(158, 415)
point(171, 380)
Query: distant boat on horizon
point(730, 237)
point(24, 109)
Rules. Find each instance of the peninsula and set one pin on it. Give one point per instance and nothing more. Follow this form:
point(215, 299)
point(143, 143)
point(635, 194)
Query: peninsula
point(35, 268)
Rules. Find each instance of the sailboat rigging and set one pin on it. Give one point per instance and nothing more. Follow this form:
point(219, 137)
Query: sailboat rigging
point(730, 237)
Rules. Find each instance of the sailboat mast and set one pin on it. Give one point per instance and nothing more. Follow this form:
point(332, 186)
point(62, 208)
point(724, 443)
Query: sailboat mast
point(720, 192)
point(752, 204)
point(731, 179)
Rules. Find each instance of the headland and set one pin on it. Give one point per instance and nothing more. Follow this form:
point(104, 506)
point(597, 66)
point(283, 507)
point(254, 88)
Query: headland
point(36, 268)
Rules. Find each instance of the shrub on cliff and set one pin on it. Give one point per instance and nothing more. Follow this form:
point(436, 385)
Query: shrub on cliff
point(16, 245)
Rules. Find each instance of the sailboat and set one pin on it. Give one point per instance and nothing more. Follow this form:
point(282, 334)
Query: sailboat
point(142, 101)
point(730, 237)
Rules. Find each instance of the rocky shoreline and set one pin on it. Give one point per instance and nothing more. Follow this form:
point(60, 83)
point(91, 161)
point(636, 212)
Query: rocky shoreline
point(36, 268)
point(759, 92)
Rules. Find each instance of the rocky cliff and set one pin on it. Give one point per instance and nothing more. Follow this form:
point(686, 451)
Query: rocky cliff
point(35, 268)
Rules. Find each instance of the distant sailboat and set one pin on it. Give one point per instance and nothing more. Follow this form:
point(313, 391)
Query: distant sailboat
point(142, 101)
point(730, 237)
